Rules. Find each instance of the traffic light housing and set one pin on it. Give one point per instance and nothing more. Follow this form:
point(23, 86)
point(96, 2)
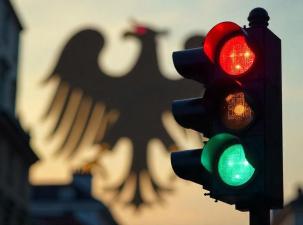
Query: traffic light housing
point(240, 113)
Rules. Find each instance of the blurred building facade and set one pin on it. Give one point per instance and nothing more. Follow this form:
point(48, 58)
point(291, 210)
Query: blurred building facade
point(16, 155)
point(10, 28)
point(70, 204)
point(292, 214)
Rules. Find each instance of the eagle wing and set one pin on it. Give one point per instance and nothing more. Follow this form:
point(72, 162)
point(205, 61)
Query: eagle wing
point(83, 90)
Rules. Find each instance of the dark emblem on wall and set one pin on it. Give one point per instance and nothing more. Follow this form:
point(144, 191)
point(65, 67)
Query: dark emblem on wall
point(130, 105)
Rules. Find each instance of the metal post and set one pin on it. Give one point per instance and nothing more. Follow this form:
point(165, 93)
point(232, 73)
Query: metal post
point(259, 216)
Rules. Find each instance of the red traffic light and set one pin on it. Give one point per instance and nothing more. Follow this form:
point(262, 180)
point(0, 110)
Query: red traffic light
point(235, 57)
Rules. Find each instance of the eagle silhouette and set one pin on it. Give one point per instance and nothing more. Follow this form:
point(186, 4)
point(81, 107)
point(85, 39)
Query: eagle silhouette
point(131, 105)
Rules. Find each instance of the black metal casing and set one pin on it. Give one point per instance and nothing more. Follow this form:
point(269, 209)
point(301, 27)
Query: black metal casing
point(262, 139)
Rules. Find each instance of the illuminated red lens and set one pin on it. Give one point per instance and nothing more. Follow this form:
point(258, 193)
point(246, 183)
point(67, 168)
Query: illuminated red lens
point(236, 57)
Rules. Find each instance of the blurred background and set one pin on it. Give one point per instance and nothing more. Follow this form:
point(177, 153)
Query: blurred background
point(86, 129)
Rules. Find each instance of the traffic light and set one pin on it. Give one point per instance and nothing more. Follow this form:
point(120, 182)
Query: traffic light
point(240, 112)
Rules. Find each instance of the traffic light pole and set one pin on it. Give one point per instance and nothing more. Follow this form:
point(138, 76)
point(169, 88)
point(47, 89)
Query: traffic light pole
point(259, 216)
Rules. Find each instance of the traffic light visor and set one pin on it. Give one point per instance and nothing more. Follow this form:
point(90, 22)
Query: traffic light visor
point(214, 145)
point(215, 36)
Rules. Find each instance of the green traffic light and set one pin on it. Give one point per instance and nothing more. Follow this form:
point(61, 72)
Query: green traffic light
point(233, 167)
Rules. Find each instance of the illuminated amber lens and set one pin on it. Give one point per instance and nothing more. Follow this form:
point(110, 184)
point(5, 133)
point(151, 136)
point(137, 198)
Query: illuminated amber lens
point(236, 113)
point(236, 57)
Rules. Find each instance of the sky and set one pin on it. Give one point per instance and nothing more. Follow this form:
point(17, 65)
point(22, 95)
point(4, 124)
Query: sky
point(49, 24)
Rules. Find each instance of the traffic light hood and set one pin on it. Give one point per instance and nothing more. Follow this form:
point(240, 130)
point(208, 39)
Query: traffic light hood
point(220, 87)
point(216, 35)
point(214, 146)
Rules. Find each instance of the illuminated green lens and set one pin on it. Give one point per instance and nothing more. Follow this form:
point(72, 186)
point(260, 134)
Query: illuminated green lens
point(233, 167)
